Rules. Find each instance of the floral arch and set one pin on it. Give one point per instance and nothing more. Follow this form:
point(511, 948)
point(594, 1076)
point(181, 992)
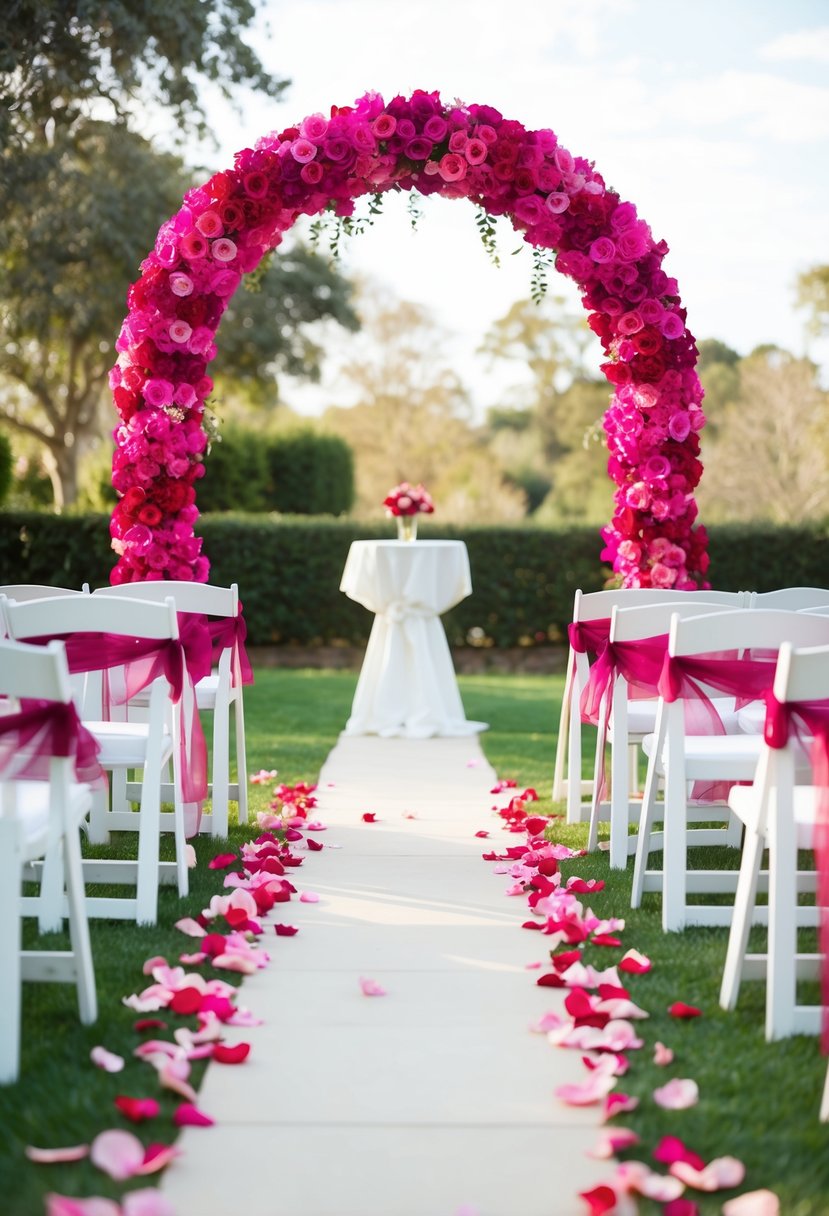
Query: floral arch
point(564, 210)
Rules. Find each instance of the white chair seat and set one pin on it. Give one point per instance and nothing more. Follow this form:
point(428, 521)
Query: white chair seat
point(124, 744)
point(726, 757)
point(744, 800)
point(207, 690)
point(32, 806)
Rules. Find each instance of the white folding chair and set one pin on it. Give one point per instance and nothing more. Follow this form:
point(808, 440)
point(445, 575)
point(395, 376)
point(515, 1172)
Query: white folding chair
point(39, 818)
point(792, 599)
point(682, 760)
point(779, 815)
point(625, 722)
point(142, 746)
point(593, 608)
point(220, 692)
point(37, 591)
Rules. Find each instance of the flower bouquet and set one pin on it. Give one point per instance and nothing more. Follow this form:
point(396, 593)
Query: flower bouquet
point(405, 503)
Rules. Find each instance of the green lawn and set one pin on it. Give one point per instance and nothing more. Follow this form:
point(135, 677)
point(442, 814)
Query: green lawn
point(759, 1101)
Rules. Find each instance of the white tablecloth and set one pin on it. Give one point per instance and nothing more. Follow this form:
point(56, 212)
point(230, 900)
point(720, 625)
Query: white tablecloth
point(407, 684)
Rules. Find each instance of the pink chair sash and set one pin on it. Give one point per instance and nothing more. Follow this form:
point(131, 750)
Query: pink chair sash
point(589, 637)
point(133, 663)
point(810, 720)
point(232, 631)
point(639, 662)
point(40, 730)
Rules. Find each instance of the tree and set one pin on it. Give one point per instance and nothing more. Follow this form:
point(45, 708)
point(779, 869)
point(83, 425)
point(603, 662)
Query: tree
point(813, 294)
point(267, 329)
point(770, 459)
point(413, 419)
point(59, 56)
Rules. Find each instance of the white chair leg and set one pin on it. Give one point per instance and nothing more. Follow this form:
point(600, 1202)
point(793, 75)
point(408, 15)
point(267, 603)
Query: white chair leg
point(241, 756)
point(595, 804)
point(98, 829)
point(824, 1106)
point(221, 767)
point(146, 888)
point(676, 813)
point(50, 900)
point(744, 901)
point(79, 928)
point(781, 976)
point(10, 919)
point(647, 815)
point(560, 780)
point(619, 779)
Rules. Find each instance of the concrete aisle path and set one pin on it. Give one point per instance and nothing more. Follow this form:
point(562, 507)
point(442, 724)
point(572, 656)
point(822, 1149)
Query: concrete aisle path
point(433, 1099)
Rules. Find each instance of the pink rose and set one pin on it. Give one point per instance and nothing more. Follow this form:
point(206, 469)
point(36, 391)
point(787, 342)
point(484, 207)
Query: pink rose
point(313, 127)
point(180, 331)
point(181, 284)
point(638, 496)
point(672, 326)
point(458, 141)
point(223, 250)
point(312, 172)
point(384, 126)
point(679, 426)
point(630, 323)
point(303, 150)
point(435, 128)
point(452, 167)
point(193, 246)
point(184, 395)
point(564, 160)
point(662, 575)
point(158, 393)
point(209, 224)
point(557, 202)
point(475, 151)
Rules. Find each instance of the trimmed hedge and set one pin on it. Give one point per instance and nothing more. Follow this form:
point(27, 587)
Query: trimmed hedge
point(288, 569)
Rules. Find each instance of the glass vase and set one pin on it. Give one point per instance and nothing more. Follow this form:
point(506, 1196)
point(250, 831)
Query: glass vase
point(407, 527)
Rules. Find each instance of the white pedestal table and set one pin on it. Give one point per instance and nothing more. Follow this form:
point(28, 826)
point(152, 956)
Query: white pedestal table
point(407, 684)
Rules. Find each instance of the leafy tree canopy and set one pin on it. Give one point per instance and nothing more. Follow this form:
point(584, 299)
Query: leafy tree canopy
point(57, 56)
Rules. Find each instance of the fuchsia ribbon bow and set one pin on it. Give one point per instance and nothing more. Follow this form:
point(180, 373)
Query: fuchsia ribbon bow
point(40, 730)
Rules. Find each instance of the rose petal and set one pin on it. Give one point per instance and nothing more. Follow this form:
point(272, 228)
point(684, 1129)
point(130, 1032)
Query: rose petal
point(369, 817)
point(143, 1024)
point(55, 1156)
point(635, 963)
point(671, 1149)
point(95, 1205)
point(677, 1094)
point(619, 1104)
point(482, 835)
point(236, 1054)
point(119, 1154)
point(285, 930)
point(137, 1109)
point(371, 987)
point(190, 926)
point(662, 1055)
point(753, 1203)
point(721, 1174)
point(309, 897)
point(222, 861)
point(188, 1115)
point(680, 1010)
point(157, 1157)
point(613, 1142)
point(148, 1201)
point(107, 1060)
point(586, 1093)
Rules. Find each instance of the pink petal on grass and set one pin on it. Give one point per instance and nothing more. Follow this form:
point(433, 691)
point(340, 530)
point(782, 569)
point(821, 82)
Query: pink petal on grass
point(753, 1203)
point(95, 1205)
point(190, 859)
point(635, 963)
point(147, 1202)
point(222, 861)
point(56, 1156)
point(721, 1174)
point(662, 1055)
point(671, 1149)
point(309, 897)
point(619, 1104)
point(137, 1109)
point(188, 1115)
point(190, 926)
point(677, 1094)
point(371, 987)
point(107, 1060)
point(119, 1154)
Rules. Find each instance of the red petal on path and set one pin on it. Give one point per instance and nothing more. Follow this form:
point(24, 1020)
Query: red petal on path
point(188, 1115)
point(369, 817)
point(600, 1200)
point(285, 930)
point(231, 1055)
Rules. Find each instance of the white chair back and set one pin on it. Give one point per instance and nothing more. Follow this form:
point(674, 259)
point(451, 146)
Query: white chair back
point(793, 598)
point(762, 629)
point(189, 597)
point(38, 591)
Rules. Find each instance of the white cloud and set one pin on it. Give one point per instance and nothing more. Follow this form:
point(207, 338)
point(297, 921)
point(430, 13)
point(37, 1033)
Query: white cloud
point(765, 104)
point(801, 44)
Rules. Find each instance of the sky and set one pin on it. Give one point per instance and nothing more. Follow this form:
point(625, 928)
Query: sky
point(712, 116)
